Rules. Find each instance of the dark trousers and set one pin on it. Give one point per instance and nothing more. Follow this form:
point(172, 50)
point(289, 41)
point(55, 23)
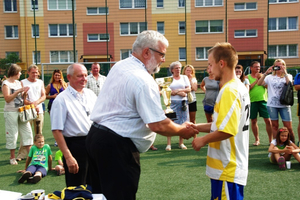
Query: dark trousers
point(77, 147)
point(114, 164)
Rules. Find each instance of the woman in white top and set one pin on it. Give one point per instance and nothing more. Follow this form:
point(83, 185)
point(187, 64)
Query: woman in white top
point(12, 91)
point(180, 87)
point(275, 83)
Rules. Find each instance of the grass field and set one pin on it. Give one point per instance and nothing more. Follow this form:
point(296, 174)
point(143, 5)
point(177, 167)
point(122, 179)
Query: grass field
point(178, 174)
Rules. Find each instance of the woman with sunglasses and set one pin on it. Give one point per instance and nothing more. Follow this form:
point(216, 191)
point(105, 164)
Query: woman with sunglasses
point(57, 85)
point(180, 87)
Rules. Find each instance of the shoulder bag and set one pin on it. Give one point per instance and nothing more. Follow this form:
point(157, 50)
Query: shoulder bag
point(27, 113)
point(287, 95)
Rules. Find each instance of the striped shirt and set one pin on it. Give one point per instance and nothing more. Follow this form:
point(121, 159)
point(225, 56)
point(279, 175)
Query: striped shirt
point(95, 85)
point(128, 101)
point(227, 160)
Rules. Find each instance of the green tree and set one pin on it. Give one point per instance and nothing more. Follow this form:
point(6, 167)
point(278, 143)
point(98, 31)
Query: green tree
point(6, 62)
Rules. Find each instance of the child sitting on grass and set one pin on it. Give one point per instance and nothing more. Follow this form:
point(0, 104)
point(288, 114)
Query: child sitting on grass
point(38, 162)
point(282, 148)
point(59, 168)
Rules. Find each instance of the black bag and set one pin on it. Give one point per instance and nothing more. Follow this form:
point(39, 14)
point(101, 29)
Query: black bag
point(287, 95)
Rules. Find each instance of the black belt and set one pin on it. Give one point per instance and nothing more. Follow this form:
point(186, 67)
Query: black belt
point(104, 128)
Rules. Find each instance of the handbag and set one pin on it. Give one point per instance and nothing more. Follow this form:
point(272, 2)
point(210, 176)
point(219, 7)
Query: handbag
point(27, 113)
point(190, 97)
point(287, 95)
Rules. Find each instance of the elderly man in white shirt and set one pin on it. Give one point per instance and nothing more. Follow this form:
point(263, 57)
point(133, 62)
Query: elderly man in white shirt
point(95, 80)
point(126, 119)
point(70, 123)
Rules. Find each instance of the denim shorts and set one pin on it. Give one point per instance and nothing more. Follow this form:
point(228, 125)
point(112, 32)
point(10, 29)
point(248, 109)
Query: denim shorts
point(285, 113)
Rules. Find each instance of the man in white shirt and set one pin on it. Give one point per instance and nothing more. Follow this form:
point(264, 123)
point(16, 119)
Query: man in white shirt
point(95, 80)
point(126, 119)
point(70, 123)
point(35, 95)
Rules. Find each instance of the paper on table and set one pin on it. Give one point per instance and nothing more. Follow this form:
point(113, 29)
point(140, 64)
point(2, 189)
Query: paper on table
point(10, 195)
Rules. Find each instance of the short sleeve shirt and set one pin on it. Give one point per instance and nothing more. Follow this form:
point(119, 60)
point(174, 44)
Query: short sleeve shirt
point(40, 156)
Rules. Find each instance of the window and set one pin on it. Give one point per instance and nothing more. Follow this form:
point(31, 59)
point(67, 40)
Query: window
point(181, 27)
point(97, 11)
point(61, 4)
point(283, 23)
point(34, 3)
point(12, 52)
point(182, 54)
point(207, 3)
point(159, 3)
point(245, 33)
point(10, 5)
point(245, 6)
point(125, 53)
point(33, 30)
point(61, 30)
point(133, 28)
point(282, 1)
point(161, 27)
point(209, 26)
point(181, 3)
point(11, 32)
point(62, 56)
point(132, 3)
point(98, 37)
point(201, 53)
point(283, 51)
point(38, 57)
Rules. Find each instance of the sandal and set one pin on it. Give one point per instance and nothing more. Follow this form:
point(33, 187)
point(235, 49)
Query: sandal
point(168, 148)
point(256, 143)
point(182, 146)
point(281, 163)
point(13, 161)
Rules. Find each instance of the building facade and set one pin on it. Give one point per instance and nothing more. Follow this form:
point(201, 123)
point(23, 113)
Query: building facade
point(105, 30)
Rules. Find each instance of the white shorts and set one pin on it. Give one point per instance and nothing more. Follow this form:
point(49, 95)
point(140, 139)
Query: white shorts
point(14, 127)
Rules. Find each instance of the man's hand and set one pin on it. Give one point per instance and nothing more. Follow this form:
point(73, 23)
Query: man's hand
point(189, 130)
point(72, 165)
point(198, 143)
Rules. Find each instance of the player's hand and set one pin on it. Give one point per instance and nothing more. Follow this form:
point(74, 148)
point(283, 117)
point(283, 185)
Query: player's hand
point(189, 130)
point(198, 143)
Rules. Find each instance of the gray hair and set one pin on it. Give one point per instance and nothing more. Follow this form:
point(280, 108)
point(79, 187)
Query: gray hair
point(148, 38)
point(70, 69)
point(173, 64)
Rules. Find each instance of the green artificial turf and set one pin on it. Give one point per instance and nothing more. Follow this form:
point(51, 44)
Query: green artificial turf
point(177, 174)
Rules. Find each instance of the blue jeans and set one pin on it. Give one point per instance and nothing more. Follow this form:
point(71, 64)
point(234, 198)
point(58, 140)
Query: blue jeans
point(285, 113)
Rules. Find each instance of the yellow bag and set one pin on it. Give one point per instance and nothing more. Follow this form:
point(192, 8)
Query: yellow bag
point(27, 113)
point(190, 97)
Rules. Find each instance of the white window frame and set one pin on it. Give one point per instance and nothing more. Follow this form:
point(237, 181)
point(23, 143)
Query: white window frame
point(287, 24)
point(38, 57)
point(158, 4)
point(36, 4)
point(37, 30)
point(208, 26)
point(98, 11)
point(180, 24)
point(68, 4)
point(163, 27)
point(139, 24)
point(287, 1)
point(133, 4)
point(14, 35)
point(246, 33)
point(287, 51)
point(245, 6)
point(205, 53)
point(181, 3)
point(99, 37)
point(122, 51)
point(59, 54)
point(13, 3)
point(204, 3)
point(180, 56)
point(59, 32)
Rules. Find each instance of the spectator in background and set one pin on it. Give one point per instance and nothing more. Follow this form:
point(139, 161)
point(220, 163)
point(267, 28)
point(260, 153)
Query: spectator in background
point(13, 91)
point(258, 99)
point(239, 71)
point(275, 83)
point(57, 85)
point(180, 87)
point(211, 89)
point(189, 71)
point(95, 80)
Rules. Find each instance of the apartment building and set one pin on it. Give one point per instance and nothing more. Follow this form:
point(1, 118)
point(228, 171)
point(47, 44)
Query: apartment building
point(105, 30)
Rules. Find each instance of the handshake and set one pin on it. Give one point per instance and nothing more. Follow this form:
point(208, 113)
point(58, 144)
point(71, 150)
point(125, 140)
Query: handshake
point(189, 130)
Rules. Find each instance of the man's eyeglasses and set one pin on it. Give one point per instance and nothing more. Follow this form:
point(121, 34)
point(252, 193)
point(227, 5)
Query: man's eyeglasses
point(163, 55)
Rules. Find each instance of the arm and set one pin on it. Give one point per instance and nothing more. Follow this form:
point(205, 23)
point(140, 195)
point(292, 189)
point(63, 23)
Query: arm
point(50, 162)
point(215, 136)
point(70, 160)
point(274, 149)
point(297, 87)
point(168, 128)
point(194, 84)
point(10, 97)
point(202, 86)
point(28, 160)
point(261, 81)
